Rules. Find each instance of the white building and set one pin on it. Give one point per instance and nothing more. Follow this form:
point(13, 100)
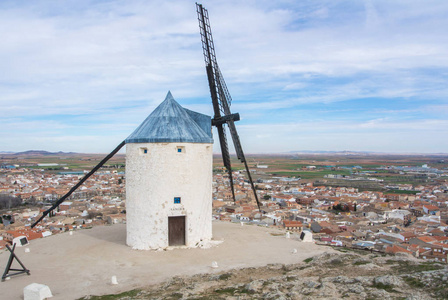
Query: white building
point(397, 214)
point(169, 179)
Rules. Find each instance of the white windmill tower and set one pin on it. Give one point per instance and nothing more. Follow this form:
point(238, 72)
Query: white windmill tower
point(169, 179)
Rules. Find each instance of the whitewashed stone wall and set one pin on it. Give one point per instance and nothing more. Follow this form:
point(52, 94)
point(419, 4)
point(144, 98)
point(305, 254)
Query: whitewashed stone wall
point(154, 179)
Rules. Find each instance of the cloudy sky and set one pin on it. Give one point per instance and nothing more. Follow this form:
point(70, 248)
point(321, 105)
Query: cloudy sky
point(80, 75)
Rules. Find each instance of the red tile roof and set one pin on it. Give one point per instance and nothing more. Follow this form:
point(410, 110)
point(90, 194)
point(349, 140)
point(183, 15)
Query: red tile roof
point(289, 223)
point(29, 233)
point(426, 239)
point(431, 207)
point(397, 249)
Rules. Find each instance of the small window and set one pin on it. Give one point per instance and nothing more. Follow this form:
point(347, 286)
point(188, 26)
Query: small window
point(176, 200)
point(180, 149)
point(143, 151)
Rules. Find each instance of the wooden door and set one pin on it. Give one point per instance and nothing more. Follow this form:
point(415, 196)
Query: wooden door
point(176, 231)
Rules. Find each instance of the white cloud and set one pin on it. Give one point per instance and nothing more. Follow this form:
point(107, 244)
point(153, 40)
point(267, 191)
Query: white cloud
point(110, 64)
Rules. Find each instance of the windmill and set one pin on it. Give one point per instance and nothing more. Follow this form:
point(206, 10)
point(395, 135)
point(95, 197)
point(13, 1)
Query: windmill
point(221, 100)
point(221, 105)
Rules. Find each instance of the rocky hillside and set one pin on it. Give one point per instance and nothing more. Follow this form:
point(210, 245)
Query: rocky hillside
point(349, 275)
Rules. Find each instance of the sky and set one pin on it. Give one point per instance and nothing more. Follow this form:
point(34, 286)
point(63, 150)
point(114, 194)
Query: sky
point(81, 75)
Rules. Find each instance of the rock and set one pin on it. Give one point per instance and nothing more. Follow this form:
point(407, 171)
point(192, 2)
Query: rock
point(363, 280)
point(356, 288)
point(293, 295)
point(379, 294)
point(307, 291)
point(340, 279)
point(274, 286)
point(369, 266)
point(275, 266)
point(388, 280)
point(416, 296)
point(336, 261)
point(36, 291)
point(274, 295)
point(311, 284)
point(328, 290)
point(254, 286)
point(363, 295)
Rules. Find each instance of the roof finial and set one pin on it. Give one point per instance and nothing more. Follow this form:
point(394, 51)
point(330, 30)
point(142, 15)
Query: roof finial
point(169, 96)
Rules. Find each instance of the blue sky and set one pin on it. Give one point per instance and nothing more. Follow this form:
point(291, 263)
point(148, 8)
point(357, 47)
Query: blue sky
point(304, 75)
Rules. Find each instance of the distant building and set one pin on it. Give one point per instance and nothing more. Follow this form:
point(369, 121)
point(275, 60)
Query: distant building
point(293, 225)
point(431, 210)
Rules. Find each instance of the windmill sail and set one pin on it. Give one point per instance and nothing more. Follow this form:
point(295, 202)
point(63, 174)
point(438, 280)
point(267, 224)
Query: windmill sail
point(221, 100)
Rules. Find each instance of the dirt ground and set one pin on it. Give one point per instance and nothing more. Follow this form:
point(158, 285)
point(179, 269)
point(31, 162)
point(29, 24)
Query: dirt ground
point(83, 263)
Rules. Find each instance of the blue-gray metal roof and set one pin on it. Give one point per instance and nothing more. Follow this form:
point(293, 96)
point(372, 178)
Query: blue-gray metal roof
point(171, 123)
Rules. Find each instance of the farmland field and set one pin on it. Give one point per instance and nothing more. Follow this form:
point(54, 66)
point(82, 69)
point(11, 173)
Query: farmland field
point(308, 167)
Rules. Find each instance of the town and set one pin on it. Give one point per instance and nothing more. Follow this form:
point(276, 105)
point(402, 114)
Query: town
point(386, 204)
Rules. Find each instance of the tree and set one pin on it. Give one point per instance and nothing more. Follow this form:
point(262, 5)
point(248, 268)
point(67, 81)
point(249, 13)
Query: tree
point(8, 201)
point(94, 214)
point(266, 197)
point(340, 207)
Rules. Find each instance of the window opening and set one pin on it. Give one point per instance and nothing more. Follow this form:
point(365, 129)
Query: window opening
point(180, 149)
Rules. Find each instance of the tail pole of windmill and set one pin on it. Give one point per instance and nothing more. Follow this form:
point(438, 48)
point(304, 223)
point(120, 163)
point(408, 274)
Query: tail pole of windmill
point(62, 199)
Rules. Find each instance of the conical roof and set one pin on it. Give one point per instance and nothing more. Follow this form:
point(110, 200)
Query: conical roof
point(171, 123)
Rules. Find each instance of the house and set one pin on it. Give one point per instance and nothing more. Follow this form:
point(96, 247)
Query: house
point(422, 241)
point(65, 206)
point(329, 228)
point(283, 198)
point(364, 245)
point(394, 249)
point(116, 219)
point(267, 221)
point(293, 225)
point(431, 210)
point(436, 232)
point(305, 201)
point(30, 234)
point(401, 214)
point(359, 234)
point(225, 218)
point(406, 236)
point(232, 209)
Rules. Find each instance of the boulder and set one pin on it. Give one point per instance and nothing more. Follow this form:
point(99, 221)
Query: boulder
point(36, 291)
point(388, 280)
